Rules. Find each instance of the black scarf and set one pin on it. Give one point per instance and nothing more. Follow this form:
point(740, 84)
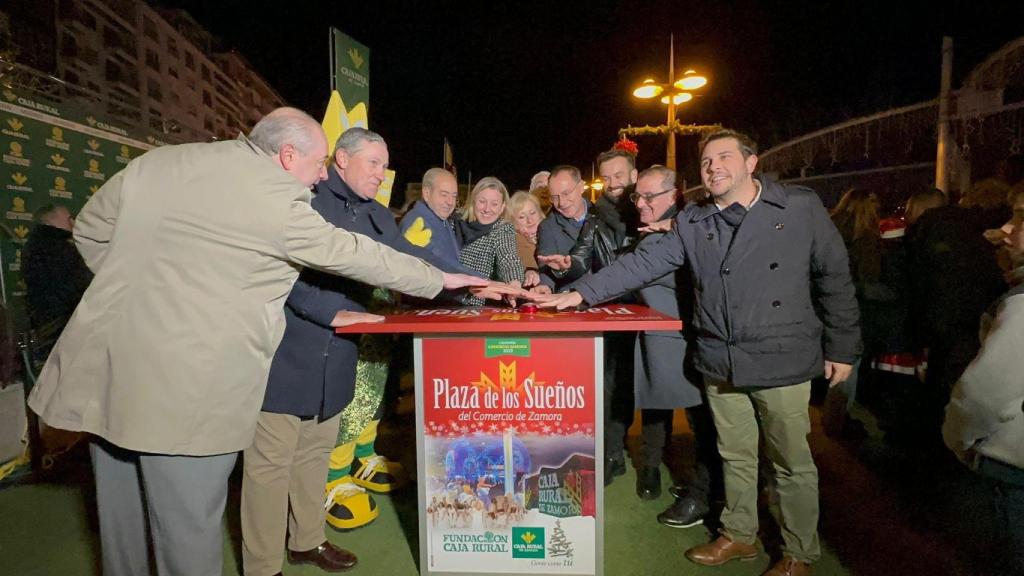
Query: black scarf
point(473, 231)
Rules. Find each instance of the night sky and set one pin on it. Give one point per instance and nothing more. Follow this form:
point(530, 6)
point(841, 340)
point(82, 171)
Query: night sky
point(521, 86)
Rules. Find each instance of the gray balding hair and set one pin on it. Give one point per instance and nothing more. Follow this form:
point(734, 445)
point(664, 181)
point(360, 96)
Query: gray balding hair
point(430, 177)
point(285, 126)
point(667, 175)
point(353, 140)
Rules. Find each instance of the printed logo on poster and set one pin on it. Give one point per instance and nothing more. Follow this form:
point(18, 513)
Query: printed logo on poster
point(93, 171)
point(15, 156)
point(528, 542)
point(20, 180)
point(17, 211)
point(12, 97)
point(12, 128)
point(488, 542)
point(20, 232)
point(57, 163)
point(59, 189)
point(93, 147)
point(125, 156)
point(104, 126)
point(507, 347)
point(15, 266)
point(56, 139)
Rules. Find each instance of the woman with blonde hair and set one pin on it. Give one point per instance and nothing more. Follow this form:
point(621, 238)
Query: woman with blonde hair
point(526, 217)
point(488, 237)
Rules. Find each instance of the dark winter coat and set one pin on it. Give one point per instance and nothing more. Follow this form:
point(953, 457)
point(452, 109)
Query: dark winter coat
point(313, 372)
point(757, 292)
point(659, 376)
point(953, 271)
point(592, 245)
point(55, 278)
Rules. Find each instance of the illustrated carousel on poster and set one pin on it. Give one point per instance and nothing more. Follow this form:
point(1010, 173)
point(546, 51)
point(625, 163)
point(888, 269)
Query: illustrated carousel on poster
point(509, 455)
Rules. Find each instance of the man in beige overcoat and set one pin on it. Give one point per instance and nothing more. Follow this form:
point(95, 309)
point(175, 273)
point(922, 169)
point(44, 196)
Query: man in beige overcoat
point(195, 248)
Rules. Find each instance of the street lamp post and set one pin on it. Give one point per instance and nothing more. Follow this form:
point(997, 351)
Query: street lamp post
point(673, 93)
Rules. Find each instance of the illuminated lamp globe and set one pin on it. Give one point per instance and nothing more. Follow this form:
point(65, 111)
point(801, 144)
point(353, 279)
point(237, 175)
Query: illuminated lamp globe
point(648, 90)
point(678, 98)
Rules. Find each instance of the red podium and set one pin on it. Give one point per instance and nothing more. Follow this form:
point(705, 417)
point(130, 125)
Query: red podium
point(510, 435)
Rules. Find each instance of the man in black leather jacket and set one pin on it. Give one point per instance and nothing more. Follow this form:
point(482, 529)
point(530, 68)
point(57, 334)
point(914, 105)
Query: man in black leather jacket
point(573, 241)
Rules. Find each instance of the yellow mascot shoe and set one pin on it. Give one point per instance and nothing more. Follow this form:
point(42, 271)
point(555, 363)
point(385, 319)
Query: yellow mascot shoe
point(378, 474)
point(349, 506)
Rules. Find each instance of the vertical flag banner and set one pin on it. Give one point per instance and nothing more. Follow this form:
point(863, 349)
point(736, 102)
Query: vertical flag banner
point(351, 73)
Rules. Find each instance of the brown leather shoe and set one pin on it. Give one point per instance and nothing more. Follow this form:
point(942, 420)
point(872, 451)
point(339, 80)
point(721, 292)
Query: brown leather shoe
point(326, 556)
point(721, 551)
point(789, 566)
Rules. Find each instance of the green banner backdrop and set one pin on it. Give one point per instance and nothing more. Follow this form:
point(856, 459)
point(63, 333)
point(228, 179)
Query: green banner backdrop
point(51, 153)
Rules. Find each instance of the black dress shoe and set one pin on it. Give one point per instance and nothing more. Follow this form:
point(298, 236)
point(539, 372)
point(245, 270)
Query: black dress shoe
point(676, 491)
point(684, 513)
point(326, 557)
point(613, 468)
point(648, 483)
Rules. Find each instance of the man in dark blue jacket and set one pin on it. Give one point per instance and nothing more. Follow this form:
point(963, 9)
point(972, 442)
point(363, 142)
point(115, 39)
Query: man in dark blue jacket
point(772, 284)
point(431, 222)
point(312, 376)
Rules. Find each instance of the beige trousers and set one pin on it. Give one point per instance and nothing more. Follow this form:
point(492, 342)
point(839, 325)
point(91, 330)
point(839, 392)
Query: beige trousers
point(285, 471)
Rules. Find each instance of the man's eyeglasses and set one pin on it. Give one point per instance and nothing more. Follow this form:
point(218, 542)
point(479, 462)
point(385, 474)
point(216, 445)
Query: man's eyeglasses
point(634, 197)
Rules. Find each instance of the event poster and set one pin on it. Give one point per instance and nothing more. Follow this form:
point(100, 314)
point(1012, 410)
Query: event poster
point(509, 455)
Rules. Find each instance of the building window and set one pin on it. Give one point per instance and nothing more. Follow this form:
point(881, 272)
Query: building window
point(89, 56)
point(153, 90)
point(86, 19)
point(149, 28)
point(172, 47)
point(206, 73)
point(207, 100)
point(208, 124)
point(113, 72)
point(69, 46)
point(190, 60)
point(152, 59)
point(70, 77)
point(172, 72)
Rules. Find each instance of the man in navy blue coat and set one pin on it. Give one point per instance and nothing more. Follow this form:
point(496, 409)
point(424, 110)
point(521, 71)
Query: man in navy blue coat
point(312, 376)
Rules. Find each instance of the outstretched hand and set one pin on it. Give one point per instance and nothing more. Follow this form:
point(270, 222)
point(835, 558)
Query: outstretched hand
point(499, 291)
point(557, 301)
point(556, 261)
point(456, 281)
point(348, 318)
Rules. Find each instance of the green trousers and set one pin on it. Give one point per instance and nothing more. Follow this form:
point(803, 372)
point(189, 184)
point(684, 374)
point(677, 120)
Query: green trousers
point(783, 413)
